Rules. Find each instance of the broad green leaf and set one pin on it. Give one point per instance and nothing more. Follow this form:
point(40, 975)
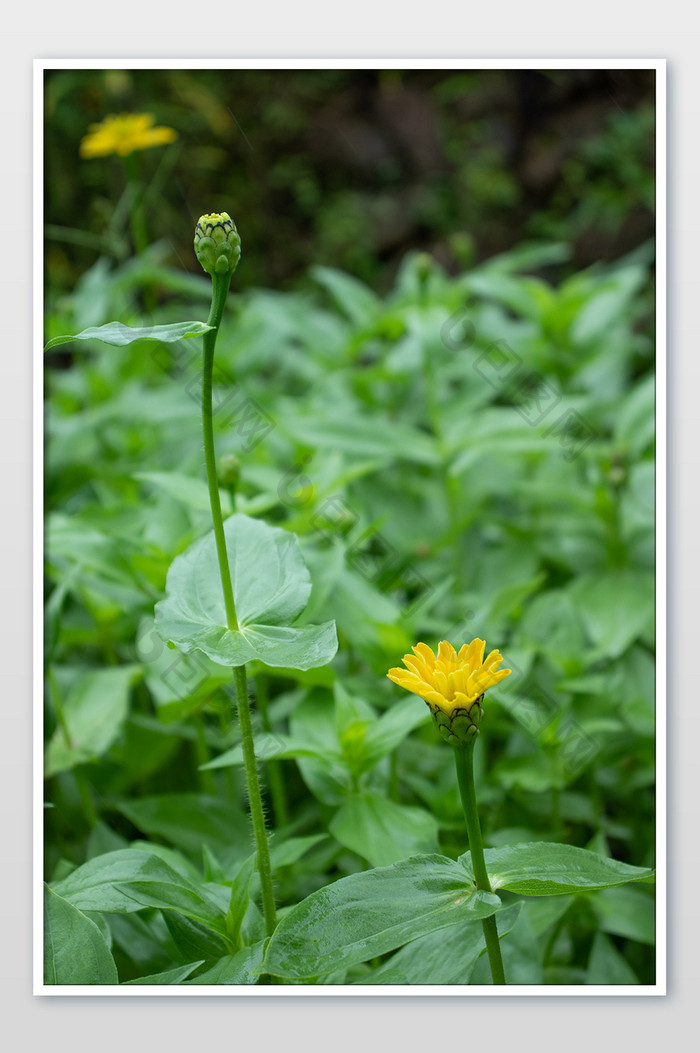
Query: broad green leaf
point(95, 711)
point(191, 491)
point(75, 951)
point(616, 608)
point(270, 746)
point(386, 733)
point(360, 434)
point(445, 957)
point(240, 968)
point(545, 868)
point(96, 885)
point(382, 831)
point(118, 334)
point(628, 912)
point(606, 965)
point(171, 896)
point(291, 849)
point(194, 939)
point(367, 914)
point(553, 625)
point(354, 298)
point(545, 911)
point(607, 305)
point(271, 587)
point(170, 976)
point(190, 819)
point(326, 772)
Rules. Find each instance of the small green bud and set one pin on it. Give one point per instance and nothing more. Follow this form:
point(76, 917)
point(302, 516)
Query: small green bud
point(217, 244)
point(461, 725)
point(229, 470)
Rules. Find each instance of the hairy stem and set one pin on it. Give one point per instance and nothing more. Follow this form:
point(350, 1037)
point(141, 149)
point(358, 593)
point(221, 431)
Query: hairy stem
point(255, 799)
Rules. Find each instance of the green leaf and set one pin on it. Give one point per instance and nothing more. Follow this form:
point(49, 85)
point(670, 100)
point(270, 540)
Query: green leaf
point(95, 711)
point(386, 733)
point(240, 968)
point(75, 951)
point(445, 957)
point(269, 746)
point(169, 895)
point(628, 912)
point(190, 491)
point(193, 938)
point(607, 305)
point(367, 914)
point(271, 587)
point(240, 898)
point(356, 300)
point(382, 831)
point(170, 976)
point(118, 334)
point(291, 849)
point(616, 608)
point(545, 868)
point(97, 884)
point(190, 819)
point(606, 965)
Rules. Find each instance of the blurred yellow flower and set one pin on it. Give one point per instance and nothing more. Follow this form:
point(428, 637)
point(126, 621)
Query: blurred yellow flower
point(123, 133)
point(453, 684)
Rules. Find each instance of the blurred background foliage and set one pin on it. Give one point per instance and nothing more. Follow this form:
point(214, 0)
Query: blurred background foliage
point(352, 168)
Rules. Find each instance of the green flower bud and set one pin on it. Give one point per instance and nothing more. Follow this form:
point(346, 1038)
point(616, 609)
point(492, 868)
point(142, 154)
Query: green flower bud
point(229, 470)
point(461, 725)
point(217, 244)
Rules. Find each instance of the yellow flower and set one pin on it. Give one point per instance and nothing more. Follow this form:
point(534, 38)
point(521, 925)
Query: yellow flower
point(122, 134)
point(453, 684)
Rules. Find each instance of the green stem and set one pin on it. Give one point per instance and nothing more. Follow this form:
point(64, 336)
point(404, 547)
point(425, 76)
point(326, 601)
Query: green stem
point(136, 213)
point(273, 768)
point(464, 760)
point(221, 284)
point(255, 799)
point(220, 289)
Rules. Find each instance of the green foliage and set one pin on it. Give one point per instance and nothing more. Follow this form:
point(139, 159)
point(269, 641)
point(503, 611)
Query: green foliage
point(400, 478)
point(271, 587)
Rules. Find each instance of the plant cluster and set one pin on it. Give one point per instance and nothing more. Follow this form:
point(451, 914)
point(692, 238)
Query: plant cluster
point(469, 458)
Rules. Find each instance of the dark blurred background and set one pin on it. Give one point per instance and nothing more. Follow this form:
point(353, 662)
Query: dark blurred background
point(352, 168)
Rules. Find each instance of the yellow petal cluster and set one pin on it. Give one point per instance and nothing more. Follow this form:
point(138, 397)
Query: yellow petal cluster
point(123, 133)
point(450, 680)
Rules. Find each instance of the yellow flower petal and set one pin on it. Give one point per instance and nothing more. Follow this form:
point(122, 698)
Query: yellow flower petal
point(451, 680)
point(124, 133)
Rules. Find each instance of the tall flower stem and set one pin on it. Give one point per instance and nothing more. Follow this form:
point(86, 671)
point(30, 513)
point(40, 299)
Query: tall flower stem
point(136, 212)
point(221, 283)
point(464, 760)
point(255, 800)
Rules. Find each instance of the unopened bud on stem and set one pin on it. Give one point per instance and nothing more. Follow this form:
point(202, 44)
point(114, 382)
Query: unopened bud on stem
point(217, 244)
point(229, 470)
